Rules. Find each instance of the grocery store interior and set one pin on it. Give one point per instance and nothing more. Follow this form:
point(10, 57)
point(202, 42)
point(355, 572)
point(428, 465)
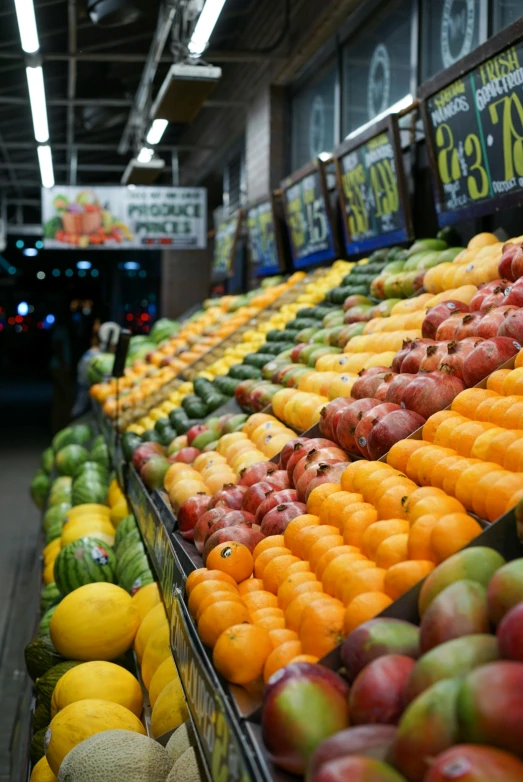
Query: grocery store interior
point(261, 385)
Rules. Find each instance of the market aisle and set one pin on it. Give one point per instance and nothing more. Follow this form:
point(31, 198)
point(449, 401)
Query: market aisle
point(25, 415)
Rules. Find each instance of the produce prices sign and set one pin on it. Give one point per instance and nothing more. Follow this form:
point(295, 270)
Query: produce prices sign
point(474, 126)
point(121, 218)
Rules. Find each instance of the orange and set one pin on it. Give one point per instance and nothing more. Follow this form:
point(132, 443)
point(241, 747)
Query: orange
point(512, 458)
point(298, 567)
point(467, 402)
point(321, 627)
point(232, 558)
point(282, 636)
point(261, 613)
point(364, 607)
point(512, 382)
point(463, 437)
point(356, 520)
point(294, 610)
point(391, 504)
point(292, 529)
point(428, 462)
point(498, 411)
point(380, 531)
point(400, 453)
point(280, 656)
point(336, 571)
point(260, 599)
point(498, 497)
point(388, 483)
point(305, 658)
point(203, 574)
point(445, 429)
point(440, 471)
point(419, 537)
point(333, 506)
point(431, 427)
point(200, 591)
point(513, 416)
point(295, 585)
point(271, 623)
point(321, 546)
point(481, 445)
point(392, 550)
point(218, 617)
point(439, 504)
point(495, 381)
point(401, 577)
point(267, 556)
point(319, 495)
point(452, 533)
point(350, 472)
point(276, 572)
point(376, 479)
point(331, 554)
point(484, 484)
point(363, 474)
point(454, 472)
point(272, 541)
point(371, 579)
point(240, 653)
point(414, 459)
point(483, 409)
point(217, 597)
point(518, 362)
point(310, 536)
point(499, 445)
point(250, 585)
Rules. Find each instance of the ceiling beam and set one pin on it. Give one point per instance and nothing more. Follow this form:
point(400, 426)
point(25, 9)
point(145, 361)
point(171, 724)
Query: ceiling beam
point(11, 100)
point(81, 147)
point(211, 56)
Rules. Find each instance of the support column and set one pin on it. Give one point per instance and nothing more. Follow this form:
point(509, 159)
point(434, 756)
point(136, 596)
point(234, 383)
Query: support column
point(186, 277)
point(265, 142)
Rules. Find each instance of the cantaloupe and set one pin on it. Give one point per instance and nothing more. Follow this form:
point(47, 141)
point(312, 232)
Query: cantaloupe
point(88, 509)
point(170, 709)
point(116, 756)
point(42, 772)
point(78, 528)
point(82, 719)
point(146, 598)
point(186, 768)
point(156, 651)
point(182, 738)
point(95, 622)
point(99, 679)
point(161, 678)
point(154, 619)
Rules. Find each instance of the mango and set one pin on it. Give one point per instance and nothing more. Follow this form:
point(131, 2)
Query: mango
point(469, 763)
point(428, 726)
point(357, 769)
point(510, 634)
point(376, 638)
point(460, 609)
point(377, 693)
point(505, 590)
point(373, 741)
point(478, 563)
point(453, 658)
point(490, 706)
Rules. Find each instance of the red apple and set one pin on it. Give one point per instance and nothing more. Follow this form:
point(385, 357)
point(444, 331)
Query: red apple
point(276, 520)
point(190, 512)
point(349, 419)
point(187, 455)
point(204, 524)
point(487, 357)
point(394, 427)
point(368, 421)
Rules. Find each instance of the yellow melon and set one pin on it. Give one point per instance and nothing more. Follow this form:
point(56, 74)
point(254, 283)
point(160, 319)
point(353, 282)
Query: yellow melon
point(154, 619)
point(98, 679)
point(51, 550)
point(95, 622)
point(80, 528)
point(42, 772)
point(156, 651)
point(170, 709)
point(146, 598)
point(115, 493)
point(164, 674)
point(119, 512)
point(82, 719)
point(48, 574)
point(88, 509)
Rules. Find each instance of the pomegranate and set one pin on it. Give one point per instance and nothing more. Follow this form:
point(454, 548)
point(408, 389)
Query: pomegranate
point(394, 426)
point(514, 294)
point(204, 524)
point(516, 267)
point(328, 455)
point(397, 387)
point(190, 512)
point(438, 314)
point(492, 320)
point(350, 418)
point(433, 357)
point(413, 359)
point(278, 480)
point(368, 422)
point(483, 292)
point(144, 452)
point(302, 449)
point(446, 330)
point(381, 391)
point(275, 521)
point(427, 394)
point(367, 385)
point(454, 359)
point(487, 357)
point(311, 472)
point(331, 473)
point(230, 495)
point(373, 371)
point(194, 431)
point(255, 495)
point(256, 473)
point(276, 498)
point(494, 299)
point(232, 519)
point(512, 326)
point(241, 534)
point(330, 415)
point(287, 450)
point(408, 345)
point(187, 455)
point(505, 265)
point(469, 325)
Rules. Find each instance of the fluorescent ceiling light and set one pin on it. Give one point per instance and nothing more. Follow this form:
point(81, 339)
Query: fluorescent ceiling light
point(156, 131)
point(399, 106)
point(145, 155)
point(45, 160)
point(35, 82)
point(83, 265)
point(25, 14)
point(205, 25)
point(325, 156)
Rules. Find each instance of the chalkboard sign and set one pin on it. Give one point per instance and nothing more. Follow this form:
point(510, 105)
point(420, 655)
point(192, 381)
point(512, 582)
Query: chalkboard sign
point(473, 116)
point(265, 252)
point(372, 191)
point(225, 243)
point(309, 217)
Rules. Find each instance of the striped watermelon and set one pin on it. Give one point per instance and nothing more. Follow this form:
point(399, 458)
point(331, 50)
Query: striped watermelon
point(132, 580)
point(84, 561)
point(130, 540)
point(135, 553)
point(124, 527)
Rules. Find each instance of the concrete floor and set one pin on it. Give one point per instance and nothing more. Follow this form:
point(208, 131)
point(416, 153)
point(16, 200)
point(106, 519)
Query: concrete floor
point(24, 433)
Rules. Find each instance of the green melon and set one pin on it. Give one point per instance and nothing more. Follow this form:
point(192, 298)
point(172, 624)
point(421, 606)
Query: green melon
point(69, 459)
point(40, 655)
point(79, 434)
point(100, 366)
point(87, 489)
point(127, 525)
point(45, 684)
point(132, 582)
point(100, 454)
point(130, 539)
point(50, 596)
point(37, 749)
point(45, 621)
point(92, 469)
point(55, 514)
point(53, 531)
point(84, 561)
point(134, 553)
point(41, 716)
point(61, 489)
point(40, 486)
point(47, 460)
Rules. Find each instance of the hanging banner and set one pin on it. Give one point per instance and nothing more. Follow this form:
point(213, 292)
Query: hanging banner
point(122, 218)
point(264, 241)
point(473, 117)
point(225, 243)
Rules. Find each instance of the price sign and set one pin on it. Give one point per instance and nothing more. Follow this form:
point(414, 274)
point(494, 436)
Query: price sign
point(371, 184)
point(265, 252)
point(309, 217)
point(473, 115)
point(225, 243)
point(211, 715)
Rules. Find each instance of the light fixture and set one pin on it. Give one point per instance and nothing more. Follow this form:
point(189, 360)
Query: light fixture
point(398, 106)
point(204, 26)
point(95, 273)
point(45, 159)
point(56, 272)
point(39, 245)
point(69, 272)
point(325, 156)
point(131, 266)
point(156, 131)
point(145, 155)
point(19, 244)
point(25, 14)
point(82, 273)
point(35, 83)
point(40, 275)
point(30, 252)
point(83, 265)
point(50, 319)
point(23, 309)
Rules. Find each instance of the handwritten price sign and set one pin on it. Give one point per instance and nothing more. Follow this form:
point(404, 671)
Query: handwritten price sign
point(264, 249)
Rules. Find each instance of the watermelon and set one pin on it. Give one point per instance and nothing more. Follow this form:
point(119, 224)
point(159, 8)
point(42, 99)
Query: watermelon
point(40, 486)
point(79, 434)
point(89, 489)
point(40, 655)
point(130, 539)
point(130, 441)
point(50, 596)
point(100, 454)
point(135, 553)
point(53, 531)
point(45, 621)
point(98, 440)
point(100, 366)
point(127, 525)
point(47, 460)
point(93, 468)
point(54, 514)
point(69, 458)
point(61, 489)
point(37, 747)
point(132, 582)
point(41, 716)
point(163, 329)
point(84, 561)
point(45, 685)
